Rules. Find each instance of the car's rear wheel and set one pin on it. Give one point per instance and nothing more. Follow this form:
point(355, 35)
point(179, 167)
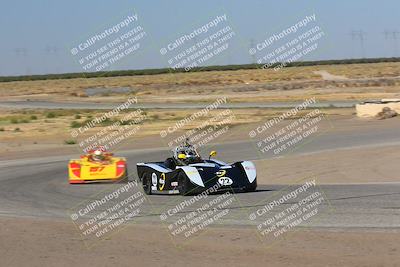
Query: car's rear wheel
point(146, 184)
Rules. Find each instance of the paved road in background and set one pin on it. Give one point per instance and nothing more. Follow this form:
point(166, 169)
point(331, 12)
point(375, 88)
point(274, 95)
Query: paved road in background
point(108, 106)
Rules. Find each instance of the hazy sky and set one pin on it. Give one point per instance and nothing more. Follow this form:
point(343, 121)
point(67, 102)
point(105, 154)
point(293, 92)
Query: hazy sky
point(37, 36)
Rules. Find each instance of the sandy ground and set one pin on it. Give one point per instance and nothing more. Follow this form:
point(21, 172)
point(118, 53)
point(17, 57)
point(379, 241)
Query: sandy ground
point(52, 243)
point(343, 166)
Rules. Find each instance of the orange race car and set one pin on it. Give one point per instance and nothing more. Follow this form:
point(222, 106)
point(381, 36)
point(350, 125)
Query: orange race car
point(97, 166)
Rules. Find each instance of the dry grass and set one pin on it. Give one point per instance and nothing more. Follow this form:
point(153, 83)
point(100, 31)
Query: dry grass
point(58, 129)
point(242, 85)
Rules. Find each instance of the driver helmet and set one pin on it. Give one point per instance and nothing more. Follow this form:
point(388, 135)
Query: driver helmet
point(98, 155)
point(189, 151)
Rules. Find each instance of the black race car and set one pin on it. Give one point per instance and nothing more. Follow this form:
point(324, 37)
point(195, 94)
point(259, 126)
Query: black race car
point(173, 177)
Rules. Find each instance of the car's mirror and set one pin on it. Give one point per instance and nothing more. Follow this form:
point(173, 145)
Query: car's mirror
point(181, 156)
point(212, 154)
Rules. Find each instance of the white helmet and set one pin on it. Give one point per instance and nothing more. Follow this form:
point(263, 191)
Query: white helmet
point(98, 155)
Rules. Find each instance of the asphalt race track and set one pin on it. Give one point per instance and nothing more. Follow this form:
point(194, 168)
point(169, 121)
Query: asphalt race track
point(39, 188)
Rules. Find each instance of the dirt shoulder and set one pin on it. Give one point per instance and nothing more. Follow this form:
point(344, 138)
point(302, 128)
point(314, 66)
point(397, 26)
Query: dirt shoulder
point(49, 243)
point(48, 136)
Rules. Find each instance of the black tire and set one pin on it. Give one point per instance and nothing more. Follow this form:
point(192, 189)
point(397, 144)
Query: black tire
point(252, 187)
point(146, 184)
point(183, 184)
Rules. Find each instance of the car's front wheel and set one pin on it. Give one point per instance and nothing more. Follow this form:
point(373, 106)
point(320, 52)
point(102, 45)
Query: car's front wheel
point(252, 187)
point(183, 184)
point(146, 184)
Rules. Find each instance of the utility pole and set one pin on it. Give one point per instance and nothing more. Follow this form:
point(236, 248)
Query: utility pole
point(50, 51)
point(393, 35)
point(22, 52)
point(253, 56)
point(359, 35)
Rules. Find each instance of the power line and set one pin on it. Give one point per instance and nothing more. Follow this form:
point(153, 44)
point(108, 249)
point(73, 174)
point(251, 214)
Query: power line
point(51, 49)
point(21, 51)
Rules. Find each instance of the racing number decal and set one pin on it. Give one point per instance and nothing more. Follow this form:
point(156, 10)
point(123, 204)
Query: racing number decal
point(225, 181)
point(222, 180)
point(220, 173)
point(96, 169)
point(161, 181)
